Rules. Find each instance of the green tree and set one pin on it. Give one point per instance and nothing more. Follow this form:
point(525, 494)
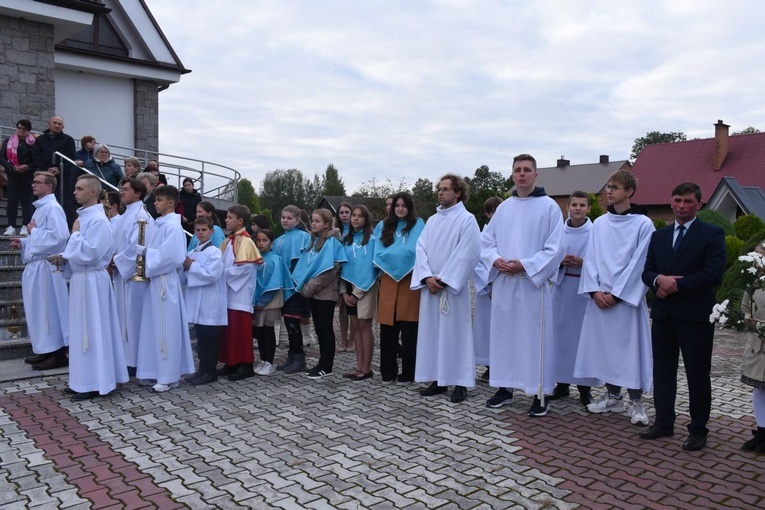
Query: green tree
point(654, 137)
point(595, 209)
point(746, 131)
point(715, 218)
point(246, 195)
point(372, 188)
point(332, 184)
point(280, 188)
point(746, 226)
point(424, 197)
point(483, 185)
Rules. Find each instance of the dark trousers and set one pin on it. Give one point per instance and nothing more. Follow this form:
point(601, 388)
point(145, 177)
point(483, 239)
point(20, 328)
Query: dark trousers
point(323, 313)
point(294, 335)
point(694, 340)
point(20, 190)
point(266, 337)
point(208, 338)
point(389, 350)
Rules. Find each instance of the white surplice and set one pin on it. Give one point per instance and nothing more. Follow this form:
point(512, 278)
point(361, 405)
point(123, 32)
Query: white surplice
point(96, 356)
point(46, 297)
point(164, 347)
point(240, 281)
point(568, 307)
point(482, 315)
point(206, 287)
point(449, 247)
point(130, 294)
point(615, 343)
point(522, 353)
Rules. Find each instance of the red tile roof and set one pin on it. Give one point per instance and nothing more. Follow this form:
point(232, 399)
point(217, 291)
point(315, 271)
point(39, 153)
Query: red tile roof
point(660, 167)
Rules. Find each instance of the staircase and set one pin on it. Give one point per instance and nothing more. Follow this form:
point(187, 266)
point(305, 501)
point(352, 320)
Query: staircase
point(217, 183)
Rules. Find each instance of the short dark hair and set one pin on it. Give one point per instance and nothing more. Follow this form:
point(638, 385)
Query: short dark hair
point(687, 187)
point(579, 194)
point(25, 123)
point(491, 204)
point(169, 192)
point(240, 211)
point(204, 220)
point(261, 220)
point(114, 199)
point(85, 139)
point(266, 232)
point(137, 185)
point(525, 157)
point(459, 184)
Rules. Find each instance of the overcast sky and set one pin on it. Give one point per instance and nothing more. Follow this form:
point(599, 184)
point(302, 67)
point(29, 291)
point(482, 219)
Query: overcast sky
point(414, 88)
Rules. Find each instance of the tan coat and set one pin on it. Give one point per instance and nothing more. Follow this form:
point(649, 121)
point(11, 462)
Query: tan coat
point(396, 301)
point(753, 363)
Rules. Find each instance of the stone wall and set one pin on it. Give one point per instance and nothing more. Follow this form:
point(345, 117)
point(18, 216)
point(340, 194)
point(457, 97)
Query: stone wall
point(146, 107)
point(27, 72)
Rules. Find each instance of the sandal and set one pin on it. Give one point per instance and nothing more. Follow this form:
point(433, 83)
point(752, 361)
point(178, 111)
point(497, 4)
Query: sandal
point(360, 376)
point(353, 374)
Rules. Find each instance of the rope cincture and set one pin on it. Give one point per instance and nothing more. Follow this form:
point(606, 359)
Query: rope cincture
point(162, 296)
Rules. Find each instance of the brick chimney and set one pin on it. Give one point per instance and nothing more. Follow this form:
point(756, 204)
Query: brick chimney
point(563, 163)
point(721, 144)
point(604, 159)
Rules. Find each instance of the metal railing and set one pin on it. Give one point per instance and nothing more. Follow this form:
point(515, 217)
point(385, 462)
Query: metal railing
point(213, 180)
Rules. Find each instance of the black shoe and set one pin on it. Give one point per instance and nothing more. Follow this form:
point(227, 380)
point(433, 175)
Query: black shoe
point(695, 442)
point(204, 378)
point(33, 360)
point(131, 371)
point(69, 391)
point(241, 372)
point(459, 394)
point(224, 371)
point(560, 391)
point(486, 375)
point(433, 389)
point(87, 395)
point(401, 379)
point(585, 395)
point(196, 375)
point(287, 362)
point(537, 409)
point(655, 432)
point(758, 438)
point(502, 397)
point(58, 360)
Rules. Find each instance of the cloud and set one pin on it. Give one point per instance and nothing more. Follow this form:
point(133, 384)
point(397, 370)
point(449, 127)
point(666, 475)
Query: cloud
point(412, 89)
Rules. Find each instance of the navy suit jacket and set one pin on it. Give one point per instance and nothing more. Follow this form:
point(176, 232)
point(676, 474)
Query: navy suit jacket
point(700, 262)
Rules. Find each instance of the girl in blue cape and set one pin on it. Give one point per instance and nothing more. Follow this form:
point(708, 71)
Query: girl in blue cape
point(289, 246)
point(316, 278)
point(343, 226)
point(398, 307)
point(358, 289)
point(208, 209)
point(274, 285)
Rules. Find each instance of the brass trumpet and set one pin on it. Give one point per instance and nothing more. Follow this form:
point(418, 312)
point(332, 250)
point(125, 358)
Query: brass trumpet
point(140, 260)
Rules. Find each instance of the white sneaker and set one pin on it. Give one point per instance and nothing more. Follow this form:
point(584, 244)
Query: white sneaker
point(147, 382)
point(266, 369)
point(637, 413)
point(24, 232)
point(258, 366)
point(607, 404)
point(161, 388)
point(10, 231)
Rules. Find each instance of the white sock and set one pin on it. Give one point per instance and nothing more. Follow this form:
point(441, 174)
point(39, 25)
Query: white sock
point(758, 399)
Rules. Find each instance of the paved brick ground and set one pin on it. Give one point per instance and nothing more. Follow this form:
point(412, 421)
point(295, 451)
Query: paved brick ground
point(288, 442)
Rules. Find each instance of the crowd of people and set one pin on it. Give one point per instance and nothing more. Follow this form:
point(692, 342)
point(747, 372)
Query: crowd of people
point(557, 302)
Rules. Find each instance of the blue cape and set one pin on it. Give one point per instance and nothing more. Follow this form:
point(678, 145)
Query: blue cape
point(397, 260)
point(290, 245)
point(360, 271)
point(273, 274)
point(312, 263)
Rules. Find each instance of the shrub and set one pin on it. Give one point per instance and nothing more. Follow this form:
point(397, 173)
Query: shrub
point(715, 218)
point(657, 224)
point(595, 209)
point(733, 247)
point(733, 283)
point(746, 226)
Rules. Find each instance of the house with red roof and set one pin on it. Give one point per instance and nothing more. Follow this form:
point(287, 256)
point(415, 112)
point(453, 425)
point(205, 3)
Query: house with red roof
point(660, 167)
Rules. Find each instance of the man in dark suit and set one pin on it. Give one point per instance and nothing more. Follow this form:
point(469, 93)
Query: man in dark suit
point(47, 144)
point(684, 265)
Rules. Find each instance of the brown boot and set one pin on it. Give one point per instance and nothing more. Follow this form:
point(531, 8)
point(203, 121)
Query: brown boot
point(33, 360)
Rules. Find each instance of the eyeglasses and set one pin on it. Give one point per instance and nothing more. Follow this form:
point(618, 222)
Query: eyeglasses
point(39, 183)
point(125, 190)
point(609, 187)
point(21, 128)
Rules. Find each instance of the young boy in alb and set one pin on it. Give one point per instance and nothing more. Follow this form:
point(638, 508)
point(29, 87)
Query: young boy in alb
point(568, 305)
point(164, 347)
point(205, 299)
point(240, 259)
point(615, 343)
